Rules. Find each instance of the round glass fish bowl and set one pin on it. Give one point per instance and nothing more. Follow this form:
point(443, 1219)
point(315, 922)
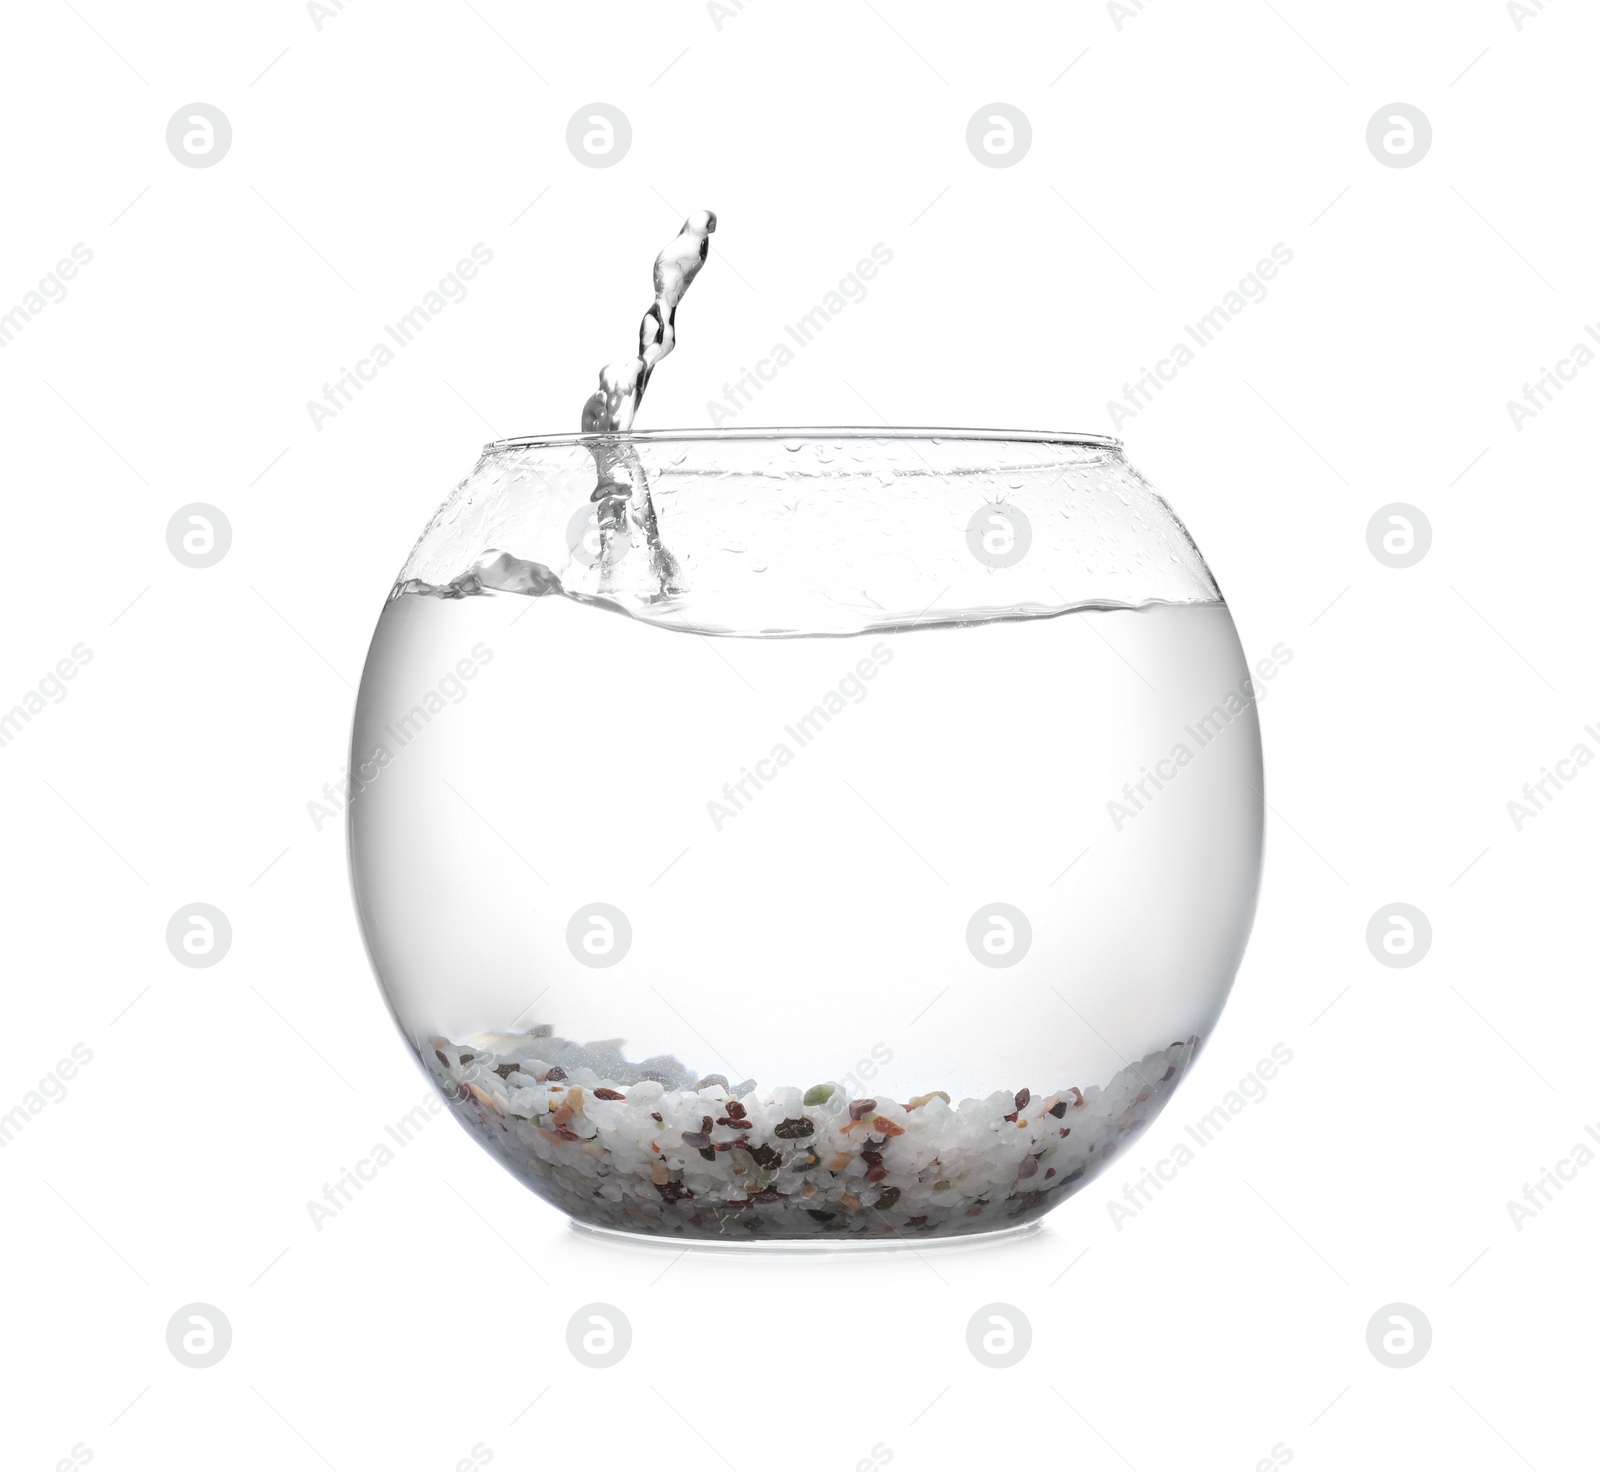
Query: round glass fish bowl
point(846, 835)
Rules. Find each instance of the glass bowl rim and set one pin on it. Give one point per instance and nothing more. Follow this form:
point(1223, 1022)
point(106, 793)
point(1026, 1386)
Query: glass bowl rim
point(843, 432)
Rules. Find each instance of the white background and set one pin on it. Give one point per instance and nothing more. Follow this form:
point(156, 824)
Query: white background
point(1169, 155)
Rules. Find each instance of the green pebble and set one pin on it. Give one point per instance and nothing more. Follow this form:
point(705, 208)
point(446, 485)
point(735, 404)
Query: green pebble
point(819, 1094)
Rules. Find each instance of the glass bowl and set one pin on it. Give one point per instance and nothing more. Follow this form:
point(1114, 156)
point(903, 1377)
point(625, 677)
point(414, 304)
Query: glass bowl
point(827, 833)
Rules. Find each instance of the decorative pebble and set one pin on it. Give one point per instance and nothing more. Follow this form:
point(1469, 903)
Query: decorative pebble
point(650, 1159)
point(701, 1137)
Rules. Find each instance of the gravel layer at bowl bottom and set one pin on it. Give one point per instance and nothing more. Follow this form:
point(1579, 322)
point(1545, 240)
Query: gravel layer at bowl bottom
point(650, 1148)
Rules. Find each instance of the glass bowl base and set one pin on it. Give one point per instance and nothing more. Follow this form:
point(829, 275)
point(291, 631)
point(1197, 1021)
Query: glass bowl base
point(809, 1246)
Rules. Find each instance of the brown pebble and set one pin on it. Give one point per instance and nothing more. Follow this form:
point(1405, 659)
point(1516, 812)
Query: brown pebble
point(701, 1137)
point(1022, 1098)
point(1028, 1167)
point(862, 1107)
point(555, 1075)
point(608, 1094)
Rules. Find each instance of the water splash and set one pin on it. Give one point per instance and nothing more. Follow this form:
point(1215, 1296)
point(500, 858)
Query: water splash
point(621, 489)
point(611, 408)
